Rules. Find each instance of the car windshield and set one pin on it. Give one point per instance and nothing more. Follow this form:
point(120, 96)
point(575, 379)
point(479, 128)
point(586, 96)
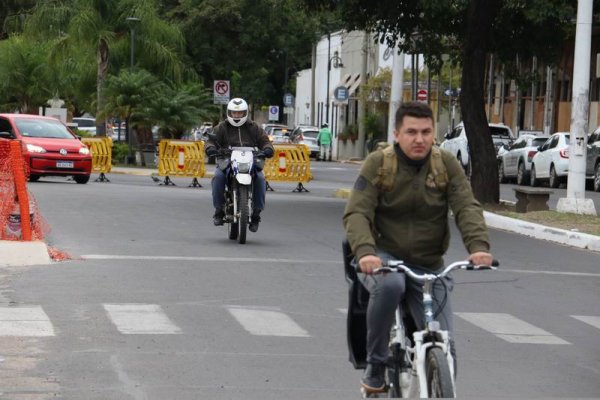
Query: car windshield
point(310, 134)
point(567, 139)
point(496, 131)
point(538, 141)
point(42, 128)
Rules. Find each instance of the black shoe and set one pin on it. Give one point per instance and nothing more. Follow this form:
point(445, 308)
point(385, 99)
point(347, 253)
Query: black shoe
point(373, 381)
point(218, 218)
point(254, 221)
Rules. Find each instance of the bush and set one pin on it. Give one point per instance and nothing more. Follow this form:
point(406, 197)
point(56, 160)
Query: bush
point(119, 152)
point(349, 132)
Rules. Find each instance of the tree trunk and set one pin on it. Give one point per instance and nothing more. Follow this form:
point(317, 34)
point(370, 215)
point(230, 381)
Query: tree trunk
point(102, 61)
point(484, 167)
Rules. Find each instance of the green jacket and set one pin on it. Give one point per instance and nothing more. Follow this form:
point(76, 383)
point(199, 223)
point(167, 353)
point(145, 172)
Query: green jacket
point(324, 136)
point(411, 221)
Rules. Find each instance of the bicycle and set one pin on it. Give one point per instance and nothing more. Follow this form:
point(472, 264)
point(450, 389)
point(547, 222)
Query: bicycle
point(419, 367)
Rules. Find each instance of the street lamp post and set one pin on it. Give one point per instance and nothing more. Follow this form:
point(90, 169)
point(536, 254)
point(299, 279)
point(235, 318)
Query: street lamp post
point(337, 64)
point(132, 23)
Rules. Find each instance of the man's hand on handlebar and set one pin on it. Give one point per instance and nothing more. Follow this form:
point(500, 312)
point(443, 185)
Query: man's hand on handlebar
point(481, 258)
point(369, 263)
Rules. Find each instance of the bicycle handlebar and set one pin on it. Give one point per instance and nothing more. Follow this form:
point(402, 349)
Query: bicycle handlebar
point(399, 266)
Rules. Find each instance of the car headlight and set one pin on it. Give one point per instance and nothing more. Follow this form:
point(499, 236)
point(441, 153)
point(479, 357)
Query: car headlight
point(243, 167)
point(84, 150)
point(35, 149)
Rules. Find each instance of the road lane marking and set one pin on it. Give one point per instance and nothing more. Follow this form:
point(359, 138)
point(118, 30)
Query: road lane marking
point(140, 319)
point(226, 259)
point(510, 328)
point(25, 321)
point(266, 322)
point(567, 273)
point(590, 320)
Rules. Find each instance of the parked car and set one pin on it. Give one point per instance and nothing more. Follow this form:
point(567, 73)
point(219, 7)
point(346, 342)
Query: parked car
point(551, 162)
point(515, 163)
point(456, 142)
point(49, 147)
point(592, 165)
point(306, 134)
point(86, 124)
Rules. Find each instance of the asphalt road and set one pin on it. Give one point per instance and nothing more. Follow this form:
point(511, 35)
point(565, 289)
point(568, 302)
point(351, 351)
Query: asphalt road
point(158, 304)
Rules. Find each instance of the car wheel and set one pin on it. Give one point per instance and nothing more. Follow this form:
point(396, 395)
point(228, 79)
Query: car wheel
point(521, 174)
point(533, 181)
point(81, 179)
point(597, 178)
point(554, 180)
point(34, 178)
point(501, 176)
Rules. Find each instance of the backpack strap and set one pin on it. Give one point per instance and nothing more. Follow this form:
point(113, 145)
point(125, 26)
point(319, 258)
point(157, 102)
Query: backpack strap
point(386, 174)
point(439, 173)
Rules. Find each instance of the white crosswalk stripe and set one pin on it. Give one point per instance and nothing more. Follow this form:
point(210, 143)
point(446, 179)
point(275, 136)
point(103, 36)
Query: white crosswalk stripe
point(510, 328)
point(25, 321)
point(141, 319)
point(590, 320)
point(266, 322)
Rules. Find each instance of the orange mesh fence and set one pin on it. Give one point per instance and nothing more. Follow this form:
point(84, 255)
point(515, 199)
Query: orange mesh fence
point(20, 218)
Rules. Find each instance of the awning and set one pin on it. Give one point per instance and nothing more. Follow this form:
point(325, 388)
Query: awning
point(355, 84)
point(350, 82)
point(343, 82)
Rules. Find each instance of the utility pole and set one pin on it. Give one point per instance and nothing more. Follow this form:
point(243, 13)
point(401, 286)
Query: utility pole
point(313, 73)
point(397, 91)
point(575, 202)
point(362, 106)
point(548, 102)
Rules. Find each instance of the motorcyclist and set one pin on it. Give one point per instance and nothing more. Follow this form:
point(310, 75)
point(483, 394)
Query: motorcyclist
point(238, 131)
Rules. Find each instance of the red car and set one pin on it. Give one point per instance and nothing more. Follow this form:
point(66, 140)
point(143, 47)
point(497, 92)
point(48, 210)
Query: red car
point(49, 147)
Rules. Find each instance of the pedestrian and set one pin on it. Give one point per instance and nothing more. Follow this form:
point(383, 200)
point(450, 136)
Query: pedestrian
point(398, 210)
point(324, 142)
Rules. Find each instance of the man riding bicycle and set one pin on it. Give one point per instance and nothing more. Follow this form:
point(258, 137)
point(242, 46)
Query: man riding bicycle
point(407, 219)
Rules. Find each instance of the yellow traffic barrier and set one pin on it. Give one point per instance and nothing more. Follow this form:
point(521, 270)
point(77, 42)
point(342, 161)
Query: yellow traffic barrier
point(101, 150)
point(290, 163)
point(181, 158)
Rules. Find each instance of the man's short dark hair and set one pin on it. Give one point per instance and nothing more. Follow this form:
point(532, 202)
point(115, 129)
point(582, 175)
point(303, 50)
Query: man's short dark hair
point(412, 109)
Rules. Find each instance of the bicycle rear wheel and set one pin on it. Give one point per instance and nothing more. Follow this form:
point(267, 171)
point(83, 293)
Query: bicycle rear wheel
point(439, 380)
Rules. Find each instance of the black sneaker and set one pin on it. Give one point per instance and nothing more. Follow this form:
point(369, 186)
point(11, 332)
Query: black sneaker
point(373, 381)
point(218, 218)
point(254, 221)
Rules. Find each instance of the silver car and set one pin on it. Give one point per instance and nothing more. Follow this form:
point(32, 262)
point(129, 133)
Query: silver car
point(307, 135)
point(516, 162)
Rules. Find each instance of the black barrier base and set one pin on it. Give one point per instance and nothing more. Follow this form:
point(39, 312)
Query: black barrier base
point(102, 178)
point(168, 182)
point(300, 188)
point(195, 183)
point(269, 187)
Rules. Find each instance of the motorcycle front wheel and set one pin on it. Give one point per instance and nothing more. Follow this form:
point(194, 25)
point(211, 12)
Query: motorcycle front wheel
point(244, 211)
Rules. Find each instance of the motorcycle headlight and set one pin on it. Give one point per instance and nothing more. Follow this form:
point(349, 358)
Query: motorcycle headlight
point(84, 150)
point(32, 148)
point(243, 167)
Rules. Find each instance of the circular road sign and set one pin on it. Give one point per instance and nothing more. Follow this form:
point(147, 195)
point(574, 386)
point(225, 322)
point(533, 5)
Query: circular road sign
point(288, 99)
point(341, 93)
point(422, 95)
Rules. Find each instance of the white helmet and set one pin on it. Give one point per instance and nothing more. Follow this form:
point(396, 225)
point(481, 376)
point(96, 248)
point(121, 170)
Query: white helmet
point(237, 104)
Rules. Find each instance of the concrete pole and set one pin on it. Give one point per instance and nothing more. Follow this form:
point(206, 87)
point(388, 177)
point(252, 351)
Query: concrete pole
point(490, 86)
point(362, 106)
point(533, 94)
point(575, 202)
point(313, 80)
point(396, 94)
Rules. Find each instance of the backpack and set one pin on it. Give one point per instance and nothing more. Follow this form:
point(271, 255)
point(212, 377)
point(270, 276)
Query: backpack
point(386, 174)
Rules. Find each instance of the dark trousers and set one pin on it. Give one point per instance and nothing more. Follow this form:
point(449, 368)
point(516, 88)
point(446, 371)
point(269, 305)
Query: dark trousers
point(219, 181)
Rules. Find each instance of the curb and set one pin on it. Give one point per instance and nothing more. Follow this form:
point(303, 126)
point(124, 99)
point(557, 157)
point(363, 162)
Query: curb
point(562, 236)
point(16, 254)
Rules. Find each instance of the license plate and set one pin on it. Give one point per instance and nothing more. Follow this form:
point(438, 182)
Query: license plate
point(64, 164)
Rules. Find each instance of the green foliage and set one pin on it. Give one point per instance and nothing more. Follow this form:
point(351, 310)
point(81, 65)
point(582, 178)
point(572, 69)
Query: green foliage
point(350, 132)
point(119, 152)
point(373, 126)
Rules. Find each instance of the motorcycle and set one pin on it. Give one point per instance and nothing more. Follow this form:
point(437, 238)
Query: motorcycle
point(243, 163)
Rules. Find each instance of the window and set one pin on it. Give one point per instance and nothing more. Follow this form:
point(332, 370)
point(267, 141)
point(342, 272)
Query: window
point(538, 142)
point(42, 128)
point(553, 142)
point(5, 126)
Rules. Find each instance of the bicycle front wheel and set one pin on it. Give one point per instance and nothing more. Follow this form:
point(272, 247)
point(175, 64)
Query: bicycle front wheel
point(439, 380)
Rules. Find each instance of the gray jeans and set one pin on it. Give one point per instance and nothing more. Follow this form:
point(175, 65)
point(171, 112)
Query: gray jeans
point(386, 291)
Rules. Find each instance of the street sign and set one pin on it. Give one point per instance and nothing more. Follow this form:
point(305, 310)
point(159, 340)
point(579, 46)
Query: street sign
point(273, 113)
point(422, 95)
point(288, 100)
point(288, 110)
point(221, 92)
point(341, 93)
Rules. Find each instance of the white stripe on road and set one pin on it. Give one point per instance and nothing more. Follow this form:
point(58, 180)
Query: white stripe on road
point(25, 321)
point(510, 328)
point(140, 319)
point(568, 273)
point(227, 259)
point(266, 322)
point(591, 320)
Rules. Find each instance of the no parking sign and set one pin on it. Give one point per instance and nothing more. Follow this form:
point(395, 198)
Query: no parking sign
point(273, 113)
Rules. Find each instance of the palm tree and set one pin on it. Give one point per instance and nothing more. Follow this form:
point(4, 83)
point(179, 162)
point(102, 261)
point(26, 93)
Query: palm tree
point(24, 75)
point(100, 29)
